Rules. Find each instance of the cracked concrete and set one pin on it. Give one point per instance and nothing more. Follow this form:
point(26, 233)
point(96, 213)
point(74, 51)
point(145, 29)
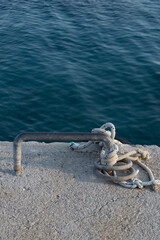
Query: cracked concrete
point(59, 196)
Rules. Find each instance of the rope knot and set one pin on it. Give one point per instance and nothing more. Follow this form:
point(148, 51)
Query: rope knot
point(137, 182)
point(156, 185)
point(143, 154)
point(111, 162)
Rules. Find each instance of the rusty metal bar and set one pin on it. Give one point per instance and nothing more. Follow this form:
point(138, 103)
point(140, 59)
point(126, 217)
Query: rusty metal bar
point(42, 136)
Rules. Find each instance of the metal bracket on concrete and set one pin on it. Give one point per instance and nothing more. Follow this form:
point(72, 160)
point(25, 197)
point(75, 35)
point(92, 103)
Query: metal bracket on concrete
point(62, 137)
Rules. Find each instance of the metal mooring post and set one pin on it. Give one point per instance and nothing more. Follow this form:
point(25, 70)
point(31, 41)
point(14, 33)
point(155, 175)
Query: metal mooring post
point(42, 136)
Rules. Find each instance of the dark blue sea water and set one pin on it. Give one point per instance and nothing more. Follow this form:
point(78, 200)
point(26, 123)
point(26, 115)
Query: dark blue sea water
point(73, 65)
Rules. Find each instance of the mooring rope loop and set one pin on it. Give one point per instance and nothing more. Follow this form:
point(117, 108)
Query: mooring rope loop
point(111, 161)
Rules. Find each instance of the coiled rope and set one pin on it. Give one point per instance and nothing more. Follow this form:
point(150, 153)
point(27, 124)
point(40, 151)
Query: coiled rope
point(111, 162)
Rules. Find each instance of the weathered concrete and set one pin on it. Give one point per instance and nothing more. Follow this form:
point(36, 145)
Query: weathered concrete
point(59, 196)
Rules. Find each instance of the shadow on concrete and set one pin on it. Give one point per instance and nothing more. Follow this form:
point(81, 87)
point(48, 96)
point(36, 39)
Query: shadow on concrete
point(59, 157)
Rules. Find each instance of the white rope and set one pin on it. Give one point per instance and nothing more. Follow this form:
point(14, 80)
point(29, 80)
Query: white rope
point(111, 161)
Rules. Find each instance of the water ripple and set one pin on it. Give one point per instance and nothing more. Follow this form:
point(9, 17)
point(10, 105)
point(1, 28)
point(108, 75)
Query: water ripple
point(71, 66)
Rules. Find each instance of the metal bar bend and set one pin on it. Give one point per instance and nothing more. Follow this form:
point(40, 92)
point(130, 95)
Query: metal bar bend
point(43, 136)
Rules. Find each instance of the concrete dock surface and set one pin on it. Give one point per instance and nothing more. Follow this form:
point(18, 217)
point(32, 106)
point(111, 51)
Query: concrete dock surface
point(60, 196)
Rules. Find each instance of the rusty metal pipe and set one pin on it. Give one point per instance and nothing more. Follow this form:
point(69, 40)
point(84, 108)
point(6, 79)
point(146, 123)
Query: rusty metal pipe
point(43, 136)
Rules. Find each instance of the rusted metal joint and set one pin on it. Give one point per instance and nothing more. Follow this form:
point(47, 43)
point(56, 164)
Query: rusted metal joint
point(61, 137)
